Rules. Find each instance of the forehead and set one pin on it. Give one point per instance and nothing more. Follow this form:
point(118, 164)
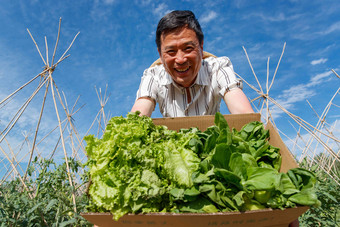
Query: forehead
point(178, 36)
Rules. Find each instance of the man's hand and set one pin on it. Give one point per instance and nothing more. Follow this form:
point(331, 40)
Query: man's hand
point(145, 105)
point(237, 102)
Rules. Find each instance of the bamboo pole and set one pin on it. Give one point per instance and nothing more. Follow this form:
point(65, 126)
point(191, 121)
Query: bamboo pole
point(18, 114)
point(16, 172)
point(63, 142)
point(36, 45)
point(27, 83)
point(69, 115)
point(335, 73)
point(69, 46)
point(320, 122)
point(57, 41)
point(267, 89)
point(252, 69)
point(24, 106)
point(37, 129)
point(8, 173)
point(308, 127)
point(46, 46)
point(334, 161)
point(294, 117)
point(277, 67)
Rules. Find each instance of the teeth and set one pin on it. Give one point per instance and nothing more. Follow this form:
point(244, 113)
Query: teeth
point(182, 70)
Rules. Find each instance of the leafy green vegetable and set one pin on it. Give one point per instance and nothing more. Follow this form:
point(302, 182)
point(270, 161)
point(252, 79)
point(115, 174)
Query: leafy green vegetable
point(138, 167)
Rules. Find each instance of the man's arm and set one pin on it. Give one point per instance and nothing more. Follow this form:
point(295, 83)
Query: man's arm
point(237, 102)
point(145, 105)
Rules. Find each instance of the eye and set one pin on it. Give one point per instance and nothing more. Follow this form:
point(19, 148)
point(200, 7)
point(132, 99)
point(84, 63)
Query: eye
point(171, 52)
point(189, 49)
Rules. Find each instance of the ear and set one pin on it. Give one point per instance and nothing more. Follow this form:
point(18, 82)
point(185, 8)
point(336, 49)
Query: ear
point(201, 45)
point(160, 55)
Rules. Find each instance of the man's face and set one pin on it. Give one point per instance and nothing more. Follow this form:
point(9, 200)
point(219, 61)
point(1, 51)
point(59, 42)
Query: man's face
point(181, 54)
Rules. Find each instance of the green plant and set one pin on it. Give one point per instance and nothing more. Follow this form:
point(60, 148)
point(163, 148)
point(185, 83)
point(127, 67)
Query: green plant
point(139, 167)
point(328, 192)
point(47, 199)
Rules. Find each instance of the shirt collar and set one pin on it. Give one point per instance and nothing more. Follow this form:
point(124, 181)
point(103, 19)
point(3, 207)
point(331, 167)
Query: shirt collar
point(201, 79)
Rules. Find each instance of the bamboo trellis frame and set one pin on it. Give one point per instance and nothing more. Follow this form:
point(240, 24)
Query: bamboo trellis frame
point(46, 78)
point(316, 132)
point(66, 127)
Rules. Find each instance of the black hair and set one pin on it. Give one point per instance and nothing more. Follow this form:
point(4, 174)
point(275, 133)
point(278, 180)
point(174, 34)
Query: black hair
point(178, 19)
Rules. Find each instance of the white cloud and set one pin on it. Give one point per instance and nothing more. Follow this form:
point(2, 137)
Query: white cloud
point(295, 94)
point(143, 2)
point(268, 18)
point(319, 61)
point(109, 2)
point(208, 17)
point(299, 92)
point(161, 10)
point(305, 140)
point(279, 17)
point(333, 28)
point(210, 45)
point(319, 78)
point(239, 3)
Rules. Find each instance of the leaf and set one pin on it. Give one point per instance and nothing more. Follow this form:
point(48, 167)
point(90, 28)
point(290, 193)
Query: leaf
point(221, 156)
point(225, 136)
point(239, 198)
point(177, 193)
point(330, 197)
point(200, 178)
point(286, 185)
point(199, 205)
point(249, 160)
point(302, 178)
point(229, 177)
point(212, 193)
point(191, 194)
point(180, 164)
point(221, 122)
point(210, 142)
point(262, 179)
point(50, 205)
point(33, 209)
point(68, 223)
point(306, 197)
point(238, 166)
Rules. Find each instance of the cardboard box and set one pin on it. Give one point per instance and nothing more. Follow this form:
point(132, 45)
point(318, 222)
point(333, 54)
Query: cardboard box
point(266, 217)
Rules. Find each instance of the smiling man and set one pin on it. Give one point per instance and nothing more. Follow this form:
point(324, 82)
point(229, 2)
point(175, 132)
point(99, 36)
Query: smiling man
point(188, 81)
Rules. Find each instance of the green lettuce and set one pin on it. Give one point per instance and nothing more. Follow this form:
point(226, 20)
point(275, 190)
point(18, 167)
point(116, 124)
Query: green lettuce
point(134, 166)
point(139, 167)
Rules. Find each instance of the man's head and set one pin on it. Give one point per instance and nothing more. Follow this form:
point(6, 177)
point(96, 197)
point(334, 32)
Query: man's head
point(178, 19)
point(179, 40)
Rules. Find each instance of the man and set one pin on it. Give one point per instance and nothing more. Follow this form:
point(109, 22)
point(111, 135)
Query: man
point(185, 84)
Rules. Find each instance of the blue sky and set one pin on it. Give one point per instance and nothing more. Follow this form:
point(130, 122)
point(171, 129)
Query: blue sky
point(116, 43)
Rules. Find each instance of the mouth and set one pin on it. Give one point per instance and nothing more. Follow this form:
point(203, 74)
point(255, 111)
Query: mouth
point(182, 70)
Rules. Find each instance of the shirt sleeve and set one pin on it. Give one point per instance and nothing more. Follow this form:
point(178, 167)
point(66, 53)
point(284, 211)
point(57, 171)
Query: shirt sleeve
point(226, 77)
point(148, 85)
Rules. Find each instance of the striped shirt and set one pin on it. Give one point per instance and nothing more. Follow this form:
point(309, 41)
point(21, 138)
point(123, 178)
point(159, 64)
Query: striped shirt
point(215, 77)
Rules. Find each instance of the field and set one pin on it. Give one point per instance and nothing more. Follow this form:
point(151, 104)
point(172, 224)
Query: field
point(44, 182)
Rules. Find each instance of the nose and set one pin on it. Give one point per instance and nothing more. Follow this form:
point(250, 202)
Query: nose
point(180, 57)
